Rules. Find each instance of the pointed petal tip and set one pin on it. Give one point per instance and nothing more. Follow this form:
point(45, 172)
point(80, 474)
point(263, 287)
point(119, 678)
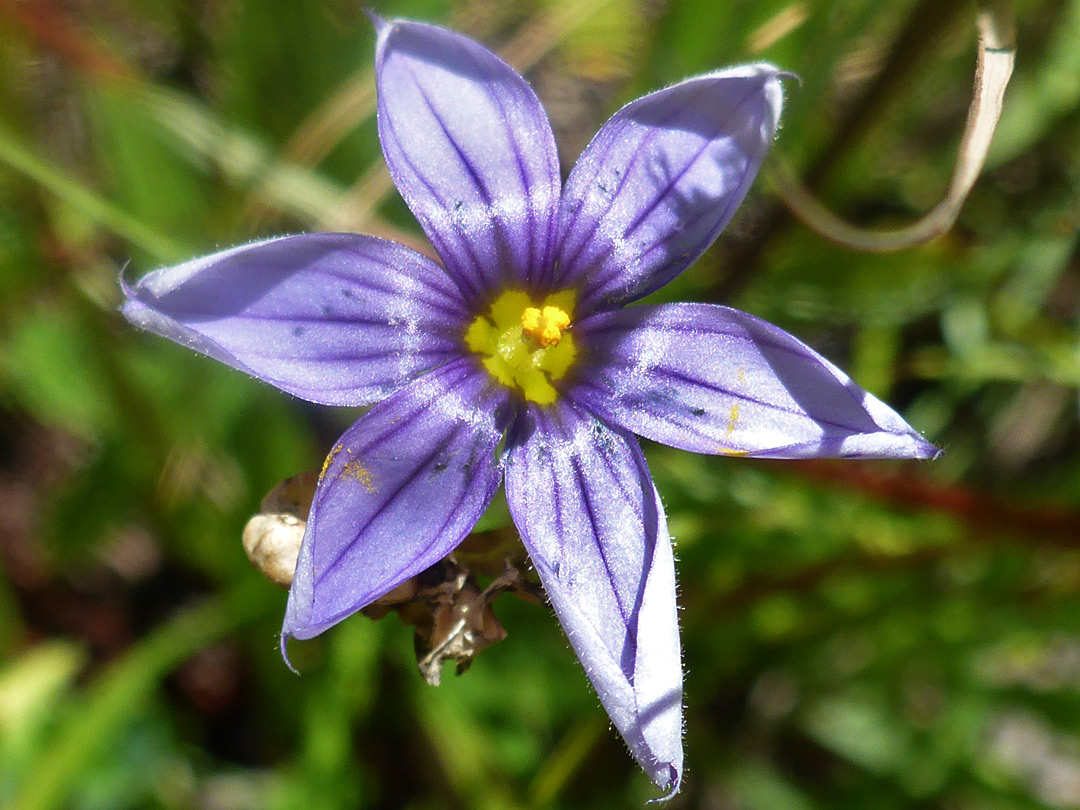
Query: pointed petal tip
point(669, 779)
point(378, 22)
point(903, 444)
point(125, 286)
point(925, 451)
point(768, 73)
point(300, 630)
point(772, 90)
point(283, 641)
point(132, 307)
point(787, 74)
point(886, 444)
point(771, 78)
point(773, 94)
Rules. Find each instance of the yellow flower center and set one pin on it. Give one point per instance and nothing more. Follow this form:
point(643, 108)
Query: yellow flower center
point(524, 345)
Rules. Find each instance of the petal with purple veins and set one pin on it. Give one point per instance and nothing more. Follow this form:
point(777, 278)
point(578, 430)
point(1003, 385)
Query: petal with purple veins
point(711, 379)
point(589, 515)
point(661, 179)
point(338, 319)
point(471, 151)
point(398, 492)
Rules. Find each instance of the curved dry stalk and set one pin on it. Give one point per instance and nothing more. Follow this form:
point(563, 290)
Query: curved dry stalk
point(992, 72)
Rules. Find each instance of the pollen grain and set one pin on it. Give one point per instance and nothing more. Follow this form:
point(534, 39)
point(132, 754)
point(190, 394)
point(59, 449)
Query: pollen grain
point(358, 472)
point(329, 460)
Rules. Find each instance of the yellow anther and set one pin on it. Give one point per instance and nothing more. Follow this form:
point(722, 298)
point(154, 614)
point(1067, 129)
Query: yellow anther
point(523, 346)
point(544, 326)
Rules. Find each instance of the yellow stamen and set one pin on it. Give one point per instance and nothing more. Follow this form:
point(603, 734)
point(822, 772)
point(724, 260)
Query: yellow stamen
point(545, 325)
point(525, 346)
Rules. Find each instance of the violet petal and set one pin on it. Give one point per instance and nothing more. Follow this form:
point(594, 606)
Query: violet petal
point(661, 179)
point(399, 491)
point(589, 515)
point(335, 318)
point(712, 379)
point(471, 151)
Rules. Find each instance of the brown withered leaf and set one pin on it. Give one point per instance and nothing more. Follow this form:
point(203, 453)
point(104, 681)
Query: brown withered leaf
point(452, 615)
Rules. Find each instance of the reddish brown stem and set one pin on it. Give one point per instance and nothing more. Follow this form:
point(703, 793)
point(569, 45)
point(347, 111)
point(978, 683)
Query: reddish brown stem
point(907, 489)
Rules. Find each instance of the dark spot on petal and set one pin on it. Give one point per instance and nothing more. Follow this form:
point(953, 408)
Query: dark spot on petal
point(347, 293)
point(664, 398)
point(298, 331)
point(474, 453)
point(556, 568)
point(326, 310)
point(697, 411)
point(439, 467)
point(602, 437)
point(602, 187)
point(458, 204)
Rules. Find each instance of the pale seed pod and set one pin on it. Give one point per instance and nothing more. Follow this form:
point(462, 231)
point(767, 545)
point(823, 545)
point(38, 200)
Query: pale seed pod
point(272, 537)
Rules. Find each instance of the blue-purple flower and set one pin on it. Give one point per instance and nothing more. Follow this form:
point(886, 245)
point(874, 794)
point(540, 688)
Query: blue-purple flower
point(517, 359)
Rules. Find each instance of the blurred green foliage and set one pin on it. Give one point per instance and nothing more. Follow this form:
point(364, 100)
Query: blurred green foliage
point(856, 635)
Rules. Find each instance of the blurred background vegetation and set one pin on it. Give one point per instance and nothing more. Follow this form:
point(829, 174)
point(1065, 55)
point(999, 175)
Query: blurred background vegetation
point(856, 634)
